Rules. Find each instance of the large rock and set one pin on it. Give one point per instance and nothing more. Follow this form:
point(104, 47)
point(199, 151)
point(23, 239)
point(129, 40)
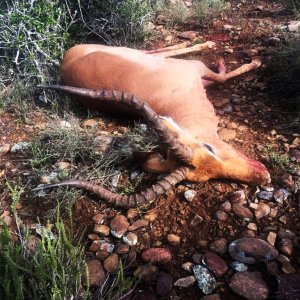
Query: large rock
point(249, 285)
point(252, 250)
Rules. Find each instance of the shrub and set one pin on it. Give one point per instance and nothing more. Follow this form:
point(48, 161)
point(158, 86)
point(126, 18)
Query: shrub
point(49, 267)
point(33, 38)
point(117, 22)
point(207, 10)
point(284, 81)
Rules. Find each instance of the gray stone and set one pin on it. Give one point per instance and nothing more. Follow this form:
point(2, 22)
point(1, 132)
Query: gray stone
point(265, 195)
point(238, 266)
point(206, 281)
point(20, 147)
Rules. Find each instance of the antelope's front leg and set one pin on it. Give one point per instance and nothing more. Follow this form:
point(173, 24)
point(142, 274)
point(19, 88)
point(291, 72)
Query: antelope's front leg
point(181, 49)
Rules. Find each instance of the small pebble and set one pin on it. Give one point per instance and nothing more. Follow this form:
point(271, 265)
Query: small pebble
point(130, 239)
point(265, 195)
point(157, 256)
point(219, 246)
point(271, 238)
point(285, 247)
point(119, 226)
point(185, 282)
point(173, 239)
point(262, 210)
point(190, 195)
point(111, 263)
point(187, 266)
point(215, 263)
point(221, 215)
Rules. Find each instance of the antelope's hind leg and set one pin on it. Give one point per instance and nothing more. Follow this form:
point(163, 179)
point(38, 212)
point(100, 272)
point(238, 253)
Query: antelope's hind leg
point(209, 76)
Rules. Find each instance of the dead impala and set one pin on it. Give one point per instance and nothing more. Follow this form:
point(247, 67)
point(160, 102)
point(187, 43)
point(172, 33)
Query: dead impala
point(170, 94)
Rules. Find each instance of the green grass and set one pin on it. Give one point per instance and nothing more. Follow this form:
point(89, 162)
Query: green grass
point(279, 161)
point(52, 269)
point(118, 287)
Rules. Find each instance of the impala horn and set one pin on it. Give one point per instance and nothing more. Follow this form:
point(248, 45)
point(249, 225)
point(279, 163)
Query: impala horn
point(134, 200)
point(181, 151)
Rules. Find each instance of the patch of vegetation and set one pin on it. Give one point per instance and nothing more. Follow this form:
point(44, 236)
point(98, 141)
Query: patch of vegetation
point(47, 266)
point(284, 81)
point(33, 37)
point(17, 99)
point(291, 4)
point(119, 287)
point(93, 158)
point(202, 11)
point(207, 10)
point(279, 161)
point(118, 22)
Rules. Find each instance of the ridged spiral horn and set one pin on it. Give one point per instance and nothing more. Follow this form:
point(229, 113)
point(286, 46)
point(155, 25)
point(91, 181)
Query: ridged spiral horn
point(181, 151)
point(127, 201)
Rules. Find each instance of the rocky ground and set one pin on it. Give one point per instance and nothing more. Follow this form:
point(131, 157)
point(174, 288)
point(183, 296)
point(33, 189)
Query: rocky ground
point(214, 240)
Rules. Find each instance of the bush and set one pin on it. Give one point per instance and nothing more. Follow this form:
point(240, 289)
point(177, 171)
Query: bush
point(33, 38)
point(284, 82)
point(207, 10)
point(49, 267)
point(117, 22)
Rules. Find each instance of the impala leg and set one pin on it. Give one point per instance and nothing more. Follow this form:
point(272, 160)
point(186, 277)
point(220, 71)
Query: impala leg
point(170, 48)
point(222, 77)
point(186, 50)
point(221, 71)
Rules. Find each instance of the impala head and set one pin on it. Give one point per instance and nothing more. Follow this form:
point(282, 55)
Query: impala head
point(214, 158)
point(220, 160)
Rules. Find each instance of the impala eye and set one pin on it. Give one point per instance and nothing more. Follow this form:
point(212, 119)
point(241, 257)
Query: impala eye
point(210, 148)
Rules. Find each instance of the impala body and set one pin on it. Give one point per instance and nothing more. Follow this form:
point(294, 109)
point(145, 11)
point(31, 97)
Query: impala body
point(174, 91)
